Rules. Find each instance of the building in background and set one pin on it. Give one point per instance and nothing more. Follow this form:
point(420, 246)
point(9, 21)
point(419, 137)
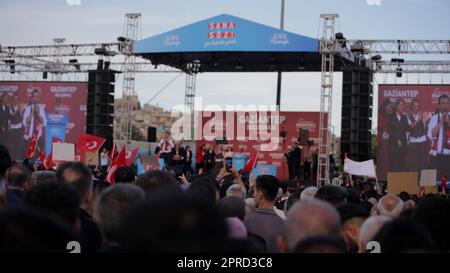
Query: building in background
point(143, 117)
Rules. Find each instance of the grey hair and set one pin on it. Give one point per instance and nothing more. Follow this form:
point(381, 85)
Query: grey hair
point(308, 219)
point(112, 206)
point(390, 205)
point(236, 190)
point(308, 193)
point(371, 226)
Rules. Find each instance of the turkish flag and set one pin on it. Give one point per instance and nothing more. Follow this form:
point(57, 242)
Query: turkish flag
point(80, 156)
point(89, 143)
point(42, 158)
point(49, 162)
point(119, 161)
point(422, 191)
point(251, 163)
point(31, 147)
point(444, 183)
point(130, 155)
point(112, 155)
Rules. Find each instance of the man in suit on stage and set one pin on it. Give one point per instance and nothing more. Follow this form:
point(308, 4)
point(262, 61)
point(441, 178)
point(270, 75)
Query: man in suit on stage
point(34, 120)
point(439, 134)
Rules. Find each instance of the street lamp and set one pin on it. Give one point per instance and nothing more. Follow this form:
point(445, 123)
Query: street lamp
point(279, 73)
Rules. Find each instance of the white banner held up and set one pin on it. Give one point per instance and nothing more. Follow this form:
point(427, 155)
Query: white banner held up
point(63, 151)
point(366, 168)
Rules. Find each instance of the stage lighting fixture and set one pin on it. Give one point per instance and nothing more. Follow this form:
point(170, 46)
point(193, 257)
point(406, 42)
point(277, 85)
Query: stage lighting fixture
point(44, 74)
point(357, 49)
point(397, 60)
point(75, 63)
point(101, 51)
point(121, 39)
point(104, 52)
point(376, 58)
point(12, 66)
point(399, 73)
point(107, 65)
point(340, 36)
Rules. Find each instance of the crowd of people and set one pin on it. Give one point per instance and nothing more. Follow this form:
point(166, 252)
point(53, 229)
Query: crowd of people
point(230, 212)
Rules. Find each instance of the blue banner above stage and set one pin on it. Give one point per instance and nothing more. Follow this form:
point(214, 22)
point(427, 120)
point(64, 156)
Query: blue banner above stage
point(226, 33)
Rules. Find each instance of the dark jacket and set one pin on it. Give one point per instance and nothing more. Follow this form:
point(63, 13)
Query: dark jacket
point(90, 233)
point(5, 116)
point(397, 130)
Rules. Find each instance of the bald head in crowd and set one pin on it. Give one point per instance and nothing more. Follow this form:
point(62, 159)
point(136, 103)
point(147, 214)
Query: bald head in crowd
point(308, 193)
point(308, 219)
point(370, 228)
point(389, 205)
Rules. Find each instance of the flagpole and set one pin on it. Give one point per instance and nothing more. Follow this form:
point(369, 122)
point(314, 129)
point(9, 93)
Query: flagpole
point(376, 180)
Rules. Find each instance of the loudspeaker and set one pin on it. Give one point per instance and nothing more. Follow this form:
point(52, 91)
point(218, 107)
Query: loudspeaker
point(100, 103)
point(357, 101)
point(151, 134)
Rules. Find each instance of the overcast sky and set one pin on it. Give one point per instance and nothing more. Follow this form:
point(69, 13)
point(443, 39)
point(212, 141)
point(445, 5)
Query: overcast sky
point(27, 22)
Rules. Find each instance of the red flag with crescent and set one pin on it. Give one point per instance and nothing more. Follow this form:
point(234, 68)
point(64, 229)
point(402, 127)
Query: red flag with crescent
point(119, 161)
point(32, 147)
point(130, 155)
point(89, 143)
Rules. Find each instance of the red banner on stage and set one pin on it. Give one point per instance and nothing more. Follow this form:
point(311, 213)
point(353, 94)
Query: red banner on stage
point(288, 122)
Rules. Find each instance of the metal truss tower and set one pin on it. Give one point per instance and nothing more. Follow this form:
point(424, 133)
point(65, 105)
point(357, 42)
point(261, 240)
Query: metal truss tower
point(189, 96)
point(327, 49)
point(132, 21)
point(58, 59)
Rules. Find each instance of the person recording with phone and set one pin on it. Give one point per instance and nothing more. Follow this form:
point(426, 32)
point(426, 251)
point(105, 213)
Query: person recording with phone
point(439, 134)
point(228, 175)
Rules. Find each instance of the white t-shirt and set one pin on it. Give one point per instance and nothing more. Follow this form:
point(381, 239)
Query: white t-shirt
point(104, 159)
